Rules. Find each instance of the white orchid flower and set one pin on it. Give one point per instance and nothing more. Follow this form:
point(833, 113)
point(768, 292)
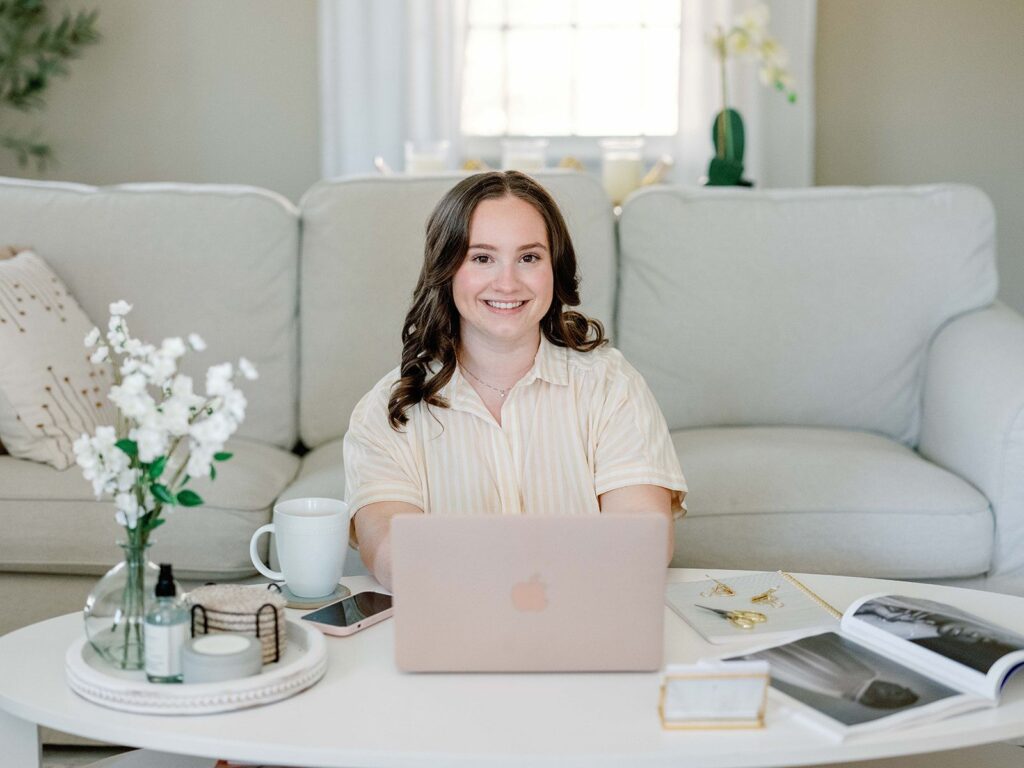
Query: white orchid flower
point(120, 308)
point(196, 342)
point(101, 354)
point(92, 337)
point(218, 379)
point(248, 369)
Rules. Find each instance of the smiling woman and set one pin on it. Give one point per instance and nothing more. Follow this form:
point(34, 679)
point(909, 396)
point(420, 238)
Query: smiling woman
point(507, 401)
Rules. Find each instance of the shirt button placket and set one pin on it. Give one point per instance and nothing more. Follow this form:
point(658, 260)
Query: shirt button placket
point(511, 494)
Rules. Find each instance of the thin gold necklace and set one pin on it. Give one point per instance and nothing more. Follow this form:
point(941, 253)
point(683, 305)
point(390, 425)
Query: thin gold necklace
point(501, 392)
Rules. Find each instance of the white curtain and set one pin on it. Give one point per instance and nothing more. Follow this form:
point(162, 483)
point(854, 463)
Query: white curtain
point(779, 135)
point(392, 70)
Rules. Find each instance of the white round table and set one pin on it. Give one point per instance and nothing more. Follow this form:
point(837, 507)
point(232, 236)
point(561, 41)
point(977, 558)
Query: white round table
point(365, 713)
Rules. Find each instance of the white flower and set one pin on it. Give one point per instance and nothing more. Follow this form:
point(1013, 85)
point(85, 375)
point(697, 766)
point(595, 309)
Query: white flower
point(218, 379)
point(160, 368)
point(213, 431)
point(773, 53)
point(234, 404)
point(739, 43)
point(120, 308)
point(152, 442)
point(99, 355)
point(127, 509)
point(134, 347)
point(199, 460)
point(754, 20)
point(132, 398)
point(196, 342)
point(92, 337)
point(248, 369)
point(173, 347)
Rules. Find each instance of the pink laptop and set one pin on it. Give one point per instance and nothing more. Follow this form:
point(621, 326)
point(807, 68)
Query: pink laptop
point(529, 594)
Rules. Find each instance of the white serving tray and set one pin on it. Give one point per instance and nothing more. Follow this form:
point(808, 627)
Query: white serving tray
point(303, 663)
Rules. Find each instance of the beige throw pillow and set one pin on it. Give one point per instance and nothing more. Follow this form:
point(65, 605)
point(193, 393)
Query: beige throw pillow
point(49, 391)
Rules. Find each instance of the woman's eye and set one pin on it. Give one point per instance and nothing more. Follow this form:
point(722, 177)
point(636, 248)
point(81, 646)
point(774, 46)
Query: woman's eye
point(531, 257)
point(480, 258)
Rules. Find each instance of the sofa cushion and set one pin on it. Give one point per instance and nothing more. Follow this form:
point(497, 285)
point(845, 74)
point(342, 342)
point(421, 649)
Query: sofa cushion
point(221, 261)
point(52, 523)
point(50, 391)
point(800, 307)
point(826, 501)
point(362, 248)
point(322, 474)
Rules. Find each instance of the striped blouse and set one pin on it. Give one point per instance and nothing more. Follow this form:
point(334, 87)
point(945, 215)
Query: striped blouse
point(577, 425)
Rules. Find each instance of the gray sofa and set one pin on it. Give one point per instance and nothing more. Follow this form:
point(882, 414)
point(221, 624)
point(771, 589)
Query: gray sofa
point(844, 394)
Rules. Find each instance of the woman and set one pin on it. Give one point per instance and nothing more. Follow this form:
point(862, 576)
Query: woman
point(505, 402)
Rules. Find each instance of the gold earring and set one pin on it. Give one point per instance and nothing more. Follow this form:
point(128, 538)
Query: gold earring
point(719, 590)
point(768, 597)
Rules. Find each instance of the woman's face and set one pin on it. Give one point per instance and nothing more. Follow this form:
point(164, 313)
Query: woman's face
point(505, 284)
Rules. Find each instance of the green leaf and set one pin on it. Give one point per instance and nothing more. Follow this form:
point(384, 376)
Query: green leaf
point(130, 447)
point(213, 472)
point(222, 456)
point(157, 468)
point(189, 499)
point(161, 493)
point(155, 524)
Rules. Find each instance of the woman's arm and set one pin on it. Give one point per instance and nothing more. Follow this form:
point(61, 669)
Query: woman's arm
point(641, 498)
point(373, 530)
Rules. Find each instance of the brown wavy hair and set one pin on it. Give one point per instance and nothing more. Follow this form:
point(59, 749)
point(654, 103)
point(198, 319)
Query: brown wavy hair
point(431, 329)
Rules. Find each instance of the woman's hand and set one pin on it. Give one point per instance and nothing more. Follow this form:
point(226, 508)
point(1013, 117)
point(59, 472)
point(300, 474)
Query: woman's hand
point(642, 499)
point(373, 531)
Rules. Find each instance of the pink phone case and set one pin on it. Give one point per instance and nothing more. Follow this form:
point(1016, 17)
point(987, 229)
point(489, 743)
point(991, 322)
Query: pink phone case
point(331, 629)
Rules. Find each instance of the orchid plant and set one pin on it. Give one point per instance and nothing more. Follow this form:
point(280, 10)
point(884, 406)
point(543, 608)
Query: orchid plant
point(166, 434)
point(747, 38)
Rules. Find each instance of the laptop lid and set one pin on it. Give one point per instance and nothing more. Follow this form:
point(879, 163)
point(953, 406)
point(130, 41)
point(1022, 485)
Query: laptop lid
point(529, 594)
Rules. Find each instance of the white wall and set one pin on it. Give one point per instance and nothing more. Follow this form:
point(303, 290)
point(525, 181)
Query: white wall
point(913, 91)
point(188, 90)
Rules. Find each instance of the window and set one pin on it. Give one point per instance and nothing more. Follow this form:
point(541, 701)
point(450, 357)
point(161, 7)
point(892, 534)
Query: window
point(570, 71)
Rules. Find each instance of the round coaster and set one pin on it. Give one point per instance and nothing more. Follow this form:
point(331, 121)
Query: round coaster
point(294, 601)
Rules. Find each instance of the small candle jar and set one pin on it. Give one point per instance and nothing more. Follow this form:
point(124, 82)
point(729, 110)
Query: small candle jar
point(523, 154)
point(622, 167)
point(425, 157)
point(222, 656)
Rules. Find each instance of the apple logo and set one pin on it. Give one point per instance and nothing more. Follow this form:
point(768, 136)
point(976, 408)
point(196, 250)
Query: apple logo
point(530, 595)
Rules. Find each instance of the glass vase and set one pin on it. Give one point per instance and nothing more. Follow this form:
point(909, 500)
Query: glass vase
point(116, 608)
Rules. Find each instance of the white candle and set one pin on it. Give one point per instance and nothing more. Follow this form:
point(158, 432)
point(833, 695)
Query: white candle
point(220, 644)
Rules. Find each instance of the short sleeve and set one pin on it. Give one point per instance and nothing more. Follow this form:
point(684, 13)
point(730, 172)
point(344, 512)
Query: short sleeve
point(633, 446)
point(379, 462)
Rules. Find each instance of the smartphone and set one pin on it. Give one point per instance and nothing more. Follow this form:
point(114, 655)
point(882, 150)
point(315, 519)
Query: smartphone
point(351, 614)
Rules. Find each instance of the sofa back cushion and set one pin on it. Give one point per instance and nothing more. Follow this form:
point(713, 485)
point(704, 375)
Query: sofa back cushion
point(221, 261)
point(798, 307)
point(362, 249)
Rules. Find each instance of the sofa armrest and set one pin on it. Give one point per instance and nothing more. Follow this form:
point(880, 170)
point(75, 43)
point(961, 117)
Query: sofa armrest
point(972, 419)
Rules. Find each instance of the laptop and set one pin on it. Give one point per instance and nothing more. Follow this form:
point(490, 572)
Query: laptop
point(529, 594)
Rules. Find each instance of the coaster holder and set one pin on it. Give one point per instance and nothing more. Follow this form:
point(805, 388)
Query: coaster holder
point(198, 608)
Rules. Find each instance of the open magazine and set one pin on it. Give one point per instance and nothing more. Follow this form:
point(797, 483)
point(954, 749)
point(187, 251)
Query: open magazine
point(894, 661)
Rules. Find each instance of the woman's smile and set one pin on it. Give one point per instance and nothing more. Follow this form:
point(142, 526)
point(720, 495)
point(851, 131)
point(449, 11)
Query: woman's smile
point(505, 307)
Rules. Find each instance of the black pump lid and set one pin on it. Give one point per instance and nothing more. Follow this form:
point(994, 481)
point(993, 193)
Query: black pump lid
point(165, 584)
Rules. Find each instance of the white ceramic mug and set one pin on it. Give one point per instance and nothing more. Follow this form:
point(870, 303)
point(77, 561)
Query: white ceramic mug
point(312, 538)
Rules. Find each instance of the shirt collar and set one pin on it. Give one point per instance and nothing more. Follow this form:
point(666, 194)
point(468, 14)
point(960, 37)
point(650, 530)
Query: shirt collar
point(551, 365)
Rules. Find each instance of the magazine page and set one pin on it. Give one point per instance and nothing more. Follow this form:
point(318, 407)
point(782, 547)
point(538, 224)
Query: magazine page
point(947, 643)
point(849, 689)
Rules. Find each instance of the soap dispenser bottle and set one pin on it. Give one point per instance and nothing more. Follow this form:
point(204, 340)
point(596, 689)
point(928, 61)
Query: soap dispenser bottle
point(165, 631)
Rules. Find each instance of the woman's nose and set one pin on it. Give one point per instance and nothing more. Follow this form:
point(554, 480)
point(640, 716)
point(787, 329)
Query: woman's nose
point(506, 279)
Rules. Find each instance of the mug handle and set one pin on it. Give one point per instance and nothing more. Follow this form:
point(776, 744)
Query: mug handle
point(255, 556)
